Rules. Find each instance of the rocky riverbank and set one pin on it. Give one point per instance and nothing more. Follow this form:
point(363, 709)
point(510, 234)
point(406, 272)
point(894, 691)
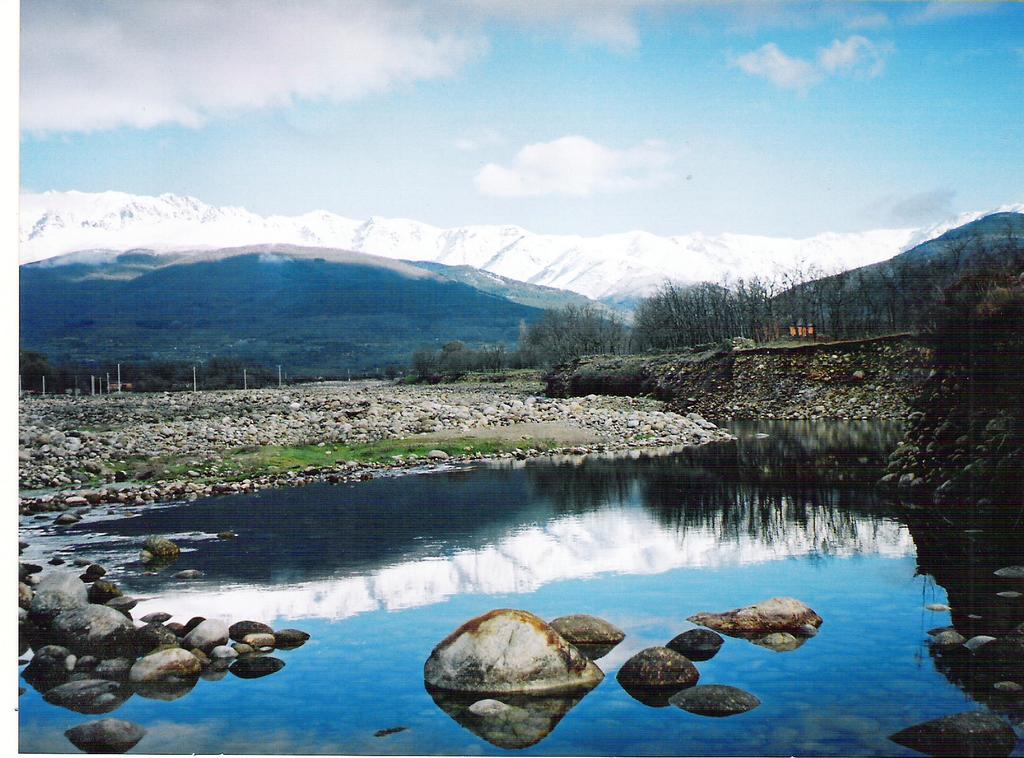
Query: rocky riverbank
point(857, 379)
point(134, 449)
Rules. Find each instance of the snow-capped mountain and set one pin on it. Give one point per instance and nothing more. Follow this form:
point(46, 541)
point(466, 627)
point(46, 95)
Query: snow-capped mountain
point(610, 267)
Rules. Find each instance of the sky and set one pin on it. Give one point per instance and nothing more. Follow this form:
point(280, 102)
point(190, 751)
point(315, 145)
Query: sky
point(563, 116)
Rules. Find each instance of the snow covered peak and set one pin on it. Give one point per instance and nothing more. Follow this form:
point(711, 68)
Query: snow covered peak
point(613, 266)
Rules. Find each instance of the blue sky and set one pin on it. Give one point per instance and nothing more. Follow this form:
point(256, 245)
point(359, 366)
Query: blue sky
point(568, 116)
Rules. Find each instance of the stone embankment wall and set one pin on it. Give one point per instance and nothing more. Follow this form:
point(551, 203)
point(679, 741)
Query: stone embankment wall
point(964, 448)
point(862, 379)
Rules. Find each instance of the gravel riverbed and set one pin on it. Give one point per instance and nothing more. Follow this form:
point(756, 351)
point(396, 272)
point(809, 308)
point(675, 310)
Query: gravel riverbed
point(78, 452)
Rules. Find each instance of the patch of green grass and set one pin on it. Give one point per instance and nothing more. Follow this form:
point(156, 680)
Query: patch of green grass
point(242, 463)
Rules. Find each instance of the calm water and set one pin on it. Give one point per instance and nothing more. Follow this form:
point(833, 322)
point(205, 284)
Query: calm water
point(380, 571)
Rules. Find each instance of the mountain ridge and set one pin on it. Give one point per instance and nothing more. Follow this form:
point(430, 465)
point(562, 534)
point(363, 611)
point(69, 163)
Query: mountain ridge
point(613, 267)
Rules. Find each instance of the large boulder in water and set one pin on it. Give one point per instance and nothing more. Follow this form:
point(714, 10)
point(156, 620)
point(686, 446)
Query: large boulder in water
point(972, 733)
point(95, 630)
point(779, 614)
point(508, 651)
point(57, 591)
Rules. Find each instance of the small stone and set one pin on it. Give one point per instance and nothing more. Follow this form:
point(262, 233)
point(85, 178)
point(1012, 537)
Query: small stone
point(950, 638)
point(259, 640)
point(437, 455)
point(488, 707)
point(1010, 687)
point(242, 649)
point(714, 700)
point(1010, 572)
point(207, 635)
point(697, 644)
point(188, 574)
point(226, 535)
point(288, 638)
point(391, 730)
point(587, 630)
point(223, 652)
point(977, 641)
point(937, 607)
point(1009, 594)
point(239, 629)
point(157, 617)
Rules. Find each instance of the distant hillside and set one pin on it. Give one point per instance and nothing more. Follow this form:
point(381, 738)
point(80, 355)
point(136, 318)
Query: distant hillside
point(314, 310)
point(533, 295)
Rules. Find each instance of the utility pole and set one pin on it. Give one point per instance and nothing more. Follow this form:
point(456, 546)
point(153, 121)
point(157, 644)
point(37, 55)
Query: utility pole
point(279, 376)
point(195, 386)
point(245, 380)
point(108, 382)
point(76, 385)
point(118, 378)
point(44, 386)
point(19, 385)
point(92, 384)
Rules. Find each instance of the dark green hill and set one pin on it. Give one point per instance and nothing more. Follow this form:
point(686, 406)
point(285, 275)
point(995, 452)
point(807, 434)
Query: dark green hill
point(315, 311)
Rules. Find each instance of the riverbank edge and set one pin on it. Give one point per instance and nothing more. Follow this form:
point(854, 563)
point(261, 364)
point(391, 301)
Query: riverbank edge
point(164, 491)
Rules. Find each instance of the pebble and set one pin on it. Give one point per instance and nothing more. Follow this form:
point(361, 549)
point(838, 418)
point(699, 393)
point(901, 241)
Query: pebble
point(937, 607)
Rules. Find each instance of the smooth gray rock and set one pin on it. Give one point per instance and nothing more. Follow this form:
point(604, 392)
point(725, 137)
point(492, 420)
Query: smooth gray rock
point(971, 733)
point(582, 629)
point(508, 651)
point(239, 629)
point(697, 644)
point(88, 696)
point(105, 736)
point(207, 635)
point(288, 638)
point(95, 630)
point(188, 574)
point(714, 700)
point(114, 669)
point(1010, 572)
point(170, 664)
point(977, 641)
point(654, 674)
point(948, 638)
point(57, 591)
point(223, 652)
point(157, 617)
point(488, 707)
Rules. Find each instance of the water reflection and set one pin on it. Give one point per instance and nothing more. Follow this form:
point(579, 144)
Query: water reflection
point(335, 552)
point(964, 562)
point(526, 721)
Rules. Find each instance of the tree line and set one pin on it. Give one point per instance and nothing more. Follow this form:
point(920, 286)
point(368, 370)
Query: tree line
point(906, 293)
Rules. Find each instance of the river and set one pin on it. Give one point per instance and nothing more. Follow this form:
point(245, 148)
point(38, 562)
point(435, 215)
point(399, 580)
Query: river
point(378, 572)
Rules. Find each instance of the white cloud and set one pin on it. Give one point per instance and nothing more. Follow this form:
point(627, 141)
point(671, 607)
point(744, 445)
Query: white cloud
point(769, 62)
point(576, 166)
point(106, 64)
point(856, 56)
